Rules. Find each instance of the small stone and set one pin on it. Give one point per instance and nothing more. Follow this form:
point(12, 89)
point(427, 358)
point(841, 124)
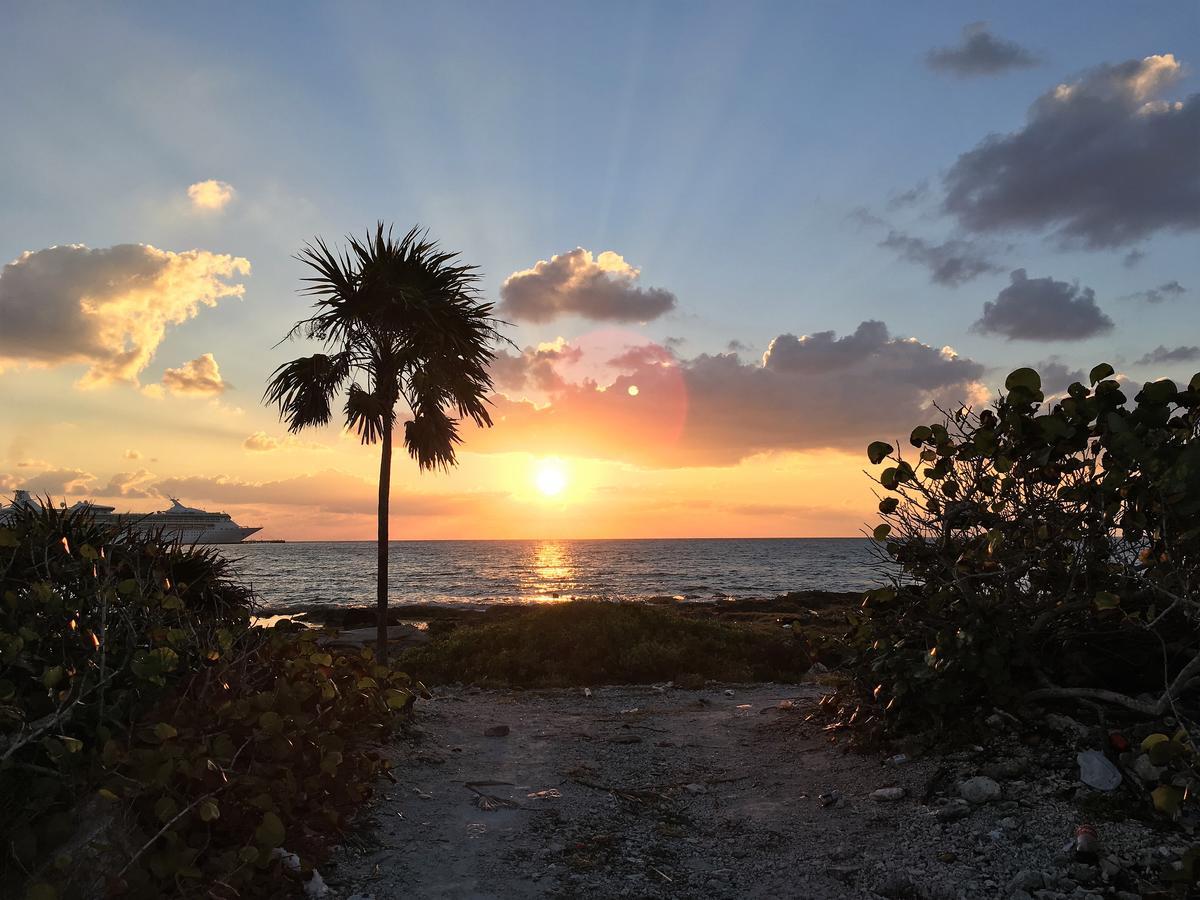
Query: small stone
point(1066, 726)
point(953, 811)
point(1026, 880)
point(728, 693)
point(947, 856)
point(496, 731)
point(979, 789)
point(895, 886)
point(1008, 823)
point(1083, 873)
point(695, 788)
point(1146, 770)
point(888, 795)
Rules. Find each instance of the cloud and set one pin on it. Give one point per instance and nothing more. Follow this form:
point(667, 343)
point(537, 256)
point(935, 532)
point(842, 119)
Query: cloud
point(1042, 309)
point(601, 288)
point(55, 482)
point(1102, 161)
point(1160, 355)
point(951, 263)
point(329, 490)
point(911, 197)
point(106, 308)
point(862, 217)
point(1133, 257)
point(139, 484)
point(806, 393)
point(980, 53)
point(200, 377)
point(132, 454)
point(262, 442)
point(534, 368)
point(211, 195)
point(1057, 376)
point(1164, 292)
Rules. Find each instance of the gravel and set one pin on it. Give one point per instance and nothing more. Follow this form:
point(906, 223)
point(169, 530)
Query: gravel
point(731, 791)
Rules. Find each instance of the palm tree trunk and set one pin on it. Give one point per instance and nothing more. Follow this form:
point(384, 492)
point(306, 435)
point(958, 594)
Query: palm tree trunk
point(381, 575)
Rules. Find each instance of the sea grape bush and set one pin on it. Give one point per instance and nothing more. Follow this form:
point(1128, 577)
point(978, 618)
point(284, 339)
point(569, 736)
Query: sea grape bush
point(1047, 550)
point(152, 742)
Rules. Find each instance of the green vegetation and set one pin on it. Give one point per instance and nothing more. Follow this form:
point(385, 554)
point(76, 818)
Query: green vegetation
point(403, 323)
point(152, 743)
point(1050, 553)
point(588, 642)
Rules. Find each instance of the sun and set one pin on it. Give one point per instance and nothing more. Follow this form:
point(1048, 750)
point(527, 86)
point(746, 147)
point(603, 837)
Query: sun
point(550, 476)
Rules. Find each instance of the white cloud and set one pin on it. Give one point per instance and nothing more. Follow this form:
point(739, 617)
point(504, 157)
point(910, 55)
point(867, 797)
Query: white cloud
point(199, 377)
point(211, 195)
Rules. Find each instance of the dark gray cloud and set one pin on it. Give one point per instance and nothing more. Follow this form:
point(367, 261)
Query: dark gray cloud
point(1103, 162)
point(805, 393)
point(107, 308)
point(980, 53)
point(576, 283)
point(1169, 290)
point(911, 197)
point(1057, 376)
point(534, 368)
point(1042, 309)
point(951, 263)
point(1161, 355)
point(864, 218)
point(1133, 257)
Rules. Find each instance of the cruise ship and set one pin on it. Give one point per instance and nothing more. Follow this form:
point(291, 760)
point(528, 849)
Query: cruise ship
point(188, 524)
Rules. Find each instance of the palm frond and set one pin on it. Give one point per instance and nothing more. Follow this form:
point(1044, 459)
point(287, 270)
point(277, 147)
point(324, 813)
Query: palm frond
point(430, 439)
point(367, 414)
point(303, 389)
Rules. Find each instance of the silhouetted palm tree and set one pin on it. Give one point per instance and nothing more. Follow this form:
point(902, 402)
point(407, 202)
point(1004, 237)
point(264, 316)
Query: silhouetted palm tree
point(400, 321)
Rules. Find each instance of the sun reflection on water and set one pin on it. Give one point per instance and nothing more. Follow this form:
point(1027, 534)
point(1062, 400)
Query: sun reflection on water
point(550, 573)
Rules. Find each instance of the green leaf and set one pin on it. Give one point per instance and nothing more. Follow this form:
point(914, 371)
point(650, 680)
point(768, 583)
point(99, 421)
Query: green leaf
point(52, 676)
point(73, 745)
point(920, 435)
point(1023, 378)
point(209, 811)
point(165, 809)
point(1107, 600)
point(270, 722)
point(270, 831)
point(1100, 372)
point(397, 699)
point(8, 538)
point(888, 504)
point(41, 891)
point(881, 531)
point(878, 451)
point(164, 731)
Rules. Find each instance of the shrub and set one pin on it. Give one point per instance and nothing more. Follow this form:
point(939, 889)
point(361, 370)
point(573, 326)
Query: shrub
point(149, 736)
point(589, 642)
point(1047, 551)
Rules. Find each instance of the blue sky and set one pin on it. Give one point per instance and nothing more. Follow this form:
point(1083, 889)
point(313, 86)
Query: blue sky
point(720, 148)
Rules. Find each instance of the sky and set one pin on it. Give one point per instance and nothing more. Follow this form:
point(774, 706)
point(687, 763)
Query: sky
point(734, 242)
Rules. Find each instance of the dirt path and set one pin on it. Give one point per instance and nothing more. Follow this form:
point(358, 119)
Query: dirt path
point(644, 792)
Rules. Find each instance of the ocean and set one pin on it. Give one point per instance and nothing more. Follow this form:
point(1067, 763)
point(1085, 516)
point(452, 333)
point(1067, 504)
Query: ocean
point(479, 573)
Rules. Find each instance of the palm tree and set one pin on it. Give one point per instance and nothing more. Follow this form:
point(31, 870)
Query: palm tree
point(399, 321)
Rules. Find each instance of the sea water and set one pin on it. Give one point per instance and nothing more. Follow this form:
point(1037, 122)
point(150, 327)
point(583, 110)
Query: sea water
point(479, 573)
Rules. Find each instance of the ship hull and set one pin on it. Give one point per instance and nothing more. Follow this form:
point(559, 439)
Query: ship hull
point(218, 535)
